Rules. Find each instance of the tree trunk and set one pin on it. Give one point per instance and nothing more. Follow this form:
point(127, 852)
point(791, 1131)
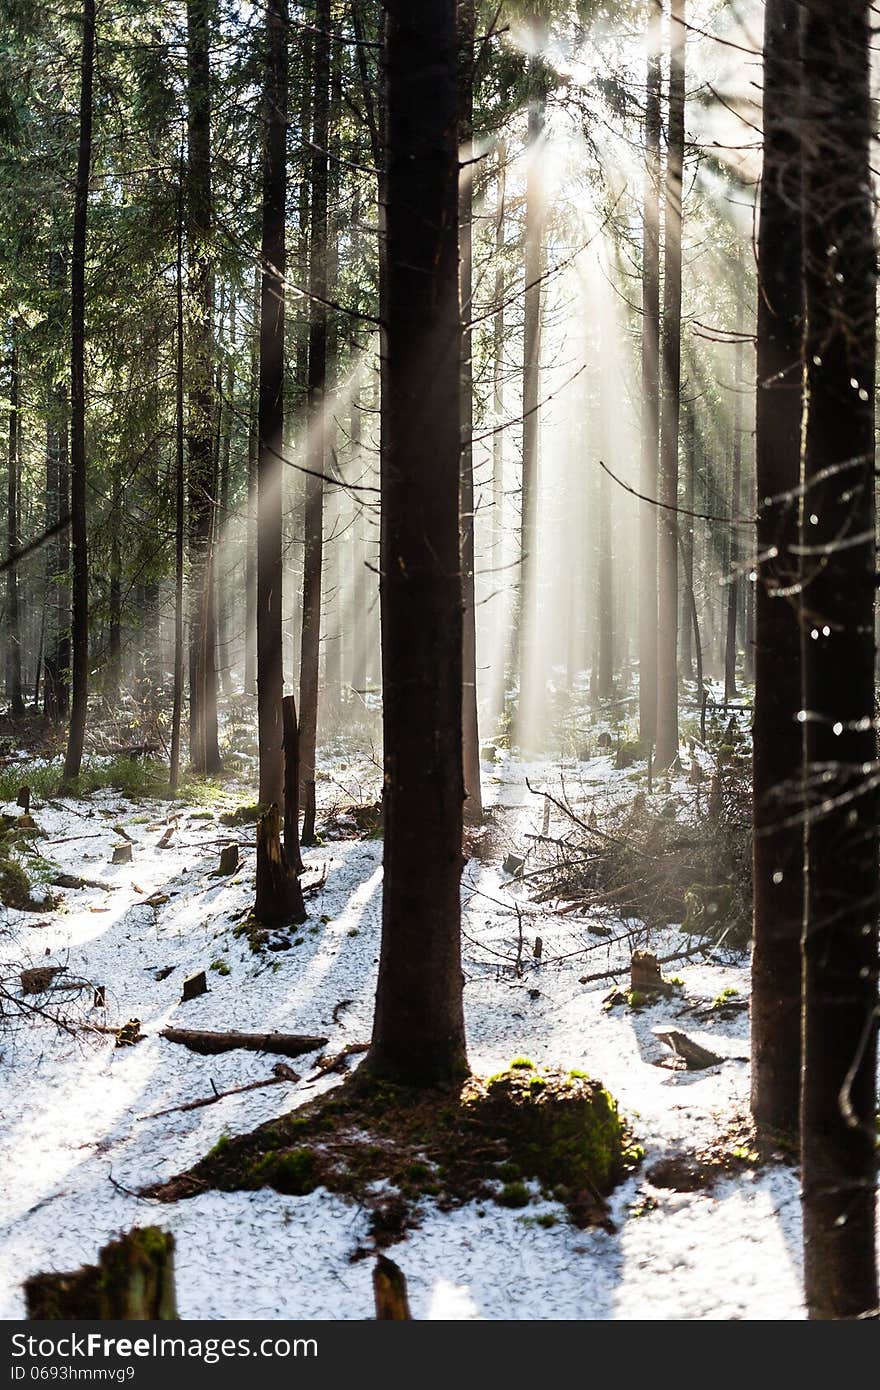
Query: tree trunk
point(667, 558)
point(686, 545)
point(133, 1281)
point(227, 418)
point(650, 386)
point(250, 558)
point(418, 1029)
point(270, 674)
point(291, 784)
point(79, 533)
point(473, 806)
point(605, 686)
point(839, 944)
point(204, 748)
point(279, 900)
point(498, 326)
point(13, 540)
point(776, 733)
point(734, 578)
point(317, 379)
point(527, 618)
point(179, 501)
point(114, 644)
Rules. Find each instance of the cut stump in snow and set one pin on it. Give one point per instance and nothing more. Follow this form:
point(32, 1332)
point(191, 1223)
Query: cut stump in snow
point(279, 899)
point(122, 854)
point(24, 800)
point(210, 1044)
point(133, 1281)
point(645, 975)
point(228, 861)
point(694, 1056)
point(194, 985)
point(389, 1291)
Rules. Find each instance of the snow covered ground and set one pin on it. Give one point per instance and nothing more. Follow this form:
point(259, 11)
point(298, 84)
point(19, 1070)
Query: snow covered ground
point(78, 1141)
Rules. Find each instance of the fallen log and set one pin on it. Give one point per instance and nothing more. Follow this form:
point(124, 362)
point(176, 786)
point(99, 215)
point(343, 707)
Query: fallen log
point(209, 1044)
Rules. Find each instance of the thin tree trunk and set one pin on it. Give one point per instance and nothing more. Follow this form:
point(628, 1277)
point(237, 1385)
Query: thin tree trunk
point(605, 686)
point(667, 558)
point(473, 806)
point(204, 748)
point(686, 548)
point(734, 588)
point(114, 644)
point(418, 1029)
point(838, 577)
point(179, 500)
point(250, 559)
point(270, 674)
point(79, 533)
point(527, 618)
point(317, 379)
point(13, 540)
point(498, 409)
point(650, 386)
point(227, 416)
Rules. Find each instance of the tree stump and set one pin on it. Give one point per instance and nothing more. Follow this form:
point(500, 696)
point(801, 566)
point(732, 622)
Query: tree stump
point(24, 800)
point(133, 1281)
point(228, 861)
point(279, 895)
point(194, 985)
point(122, 854)
point(291, 784)
point(645, 976)
point(389, 1291)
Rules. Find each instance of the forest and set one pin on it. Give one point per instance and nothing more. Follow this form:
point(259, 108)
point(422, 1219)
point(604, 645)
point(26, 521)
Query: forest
point(439, 752)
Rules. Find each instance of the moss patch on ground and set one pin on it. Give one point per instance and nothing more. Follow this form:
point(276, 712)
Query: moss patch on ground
point(526, 1132)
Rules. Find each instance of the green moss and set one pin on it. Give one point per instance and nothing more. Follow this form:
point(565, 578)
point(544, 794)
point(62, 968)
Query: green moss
point(522, 1064)
point(514, 1194)
point(242, 815)
point(219, 1148)
point(724, 997)
point(628, 752)
point(221, 967)
point(635, 999)
point(15, 886)
point(291, 1171)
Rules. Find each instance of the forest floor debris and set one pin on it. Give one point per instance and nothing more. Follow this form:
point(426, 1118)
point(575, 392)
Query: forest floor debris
point(76, 1156)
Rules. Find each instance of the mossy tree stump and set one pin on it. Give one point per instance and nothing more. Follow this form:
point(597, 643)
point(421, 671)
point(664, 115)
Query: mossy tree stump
point(133, 1281)
point(389, 1292)
point(279, 895)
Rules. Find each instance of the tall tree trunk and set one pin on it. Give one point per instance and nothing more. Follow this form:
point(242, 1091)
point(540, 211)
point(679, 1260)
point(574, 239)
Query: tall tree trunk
point(776, 734)
point(527, 618)
point(838, 577)
point(650, 386)
point(670, 395)
point(734, 588)
point(204, 748)
point(686, 545)
point(270, 675)
point(317, 378)
point(114, 642)
point(418, 1029)
point(227, 419)
point(605, 685)
point(179, 498)
point(333, 604)
point(13, 539)
point(79, 535)
point(498, 329)
point(473, 806)
point(250, 557)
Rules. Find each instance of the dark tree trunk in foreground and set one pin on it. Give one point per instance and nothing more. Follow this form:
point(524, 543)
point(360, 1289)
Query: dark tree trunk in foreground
point(279, 899)
point(418, 1030)
point(291, 784)
point(313, 560)
point(776, 733)
point(839, 1092)
point(473, 806)
point(79, 537)
point(650, 387)
point(13, 540)
point(204, 748)
point(667, 558)
point(270, 675)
